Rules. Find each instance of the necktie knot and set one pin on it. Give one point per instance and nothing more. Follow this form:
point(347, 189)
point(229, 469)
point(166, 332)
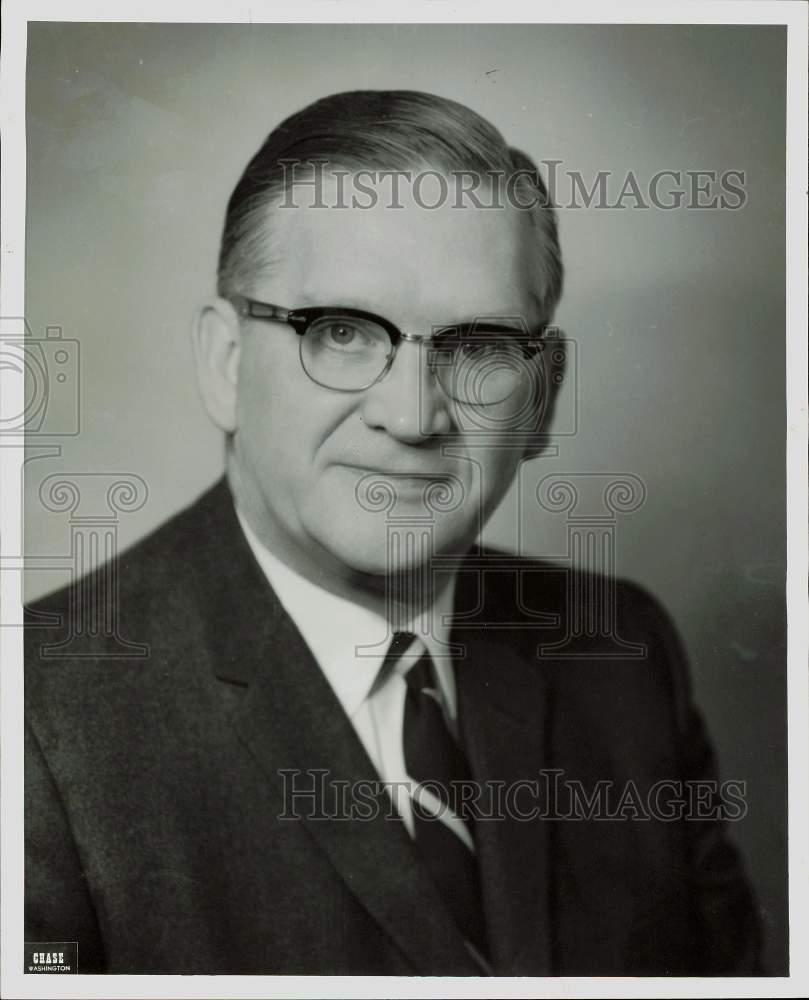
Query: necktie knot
point(399, 645)
point(409, 656)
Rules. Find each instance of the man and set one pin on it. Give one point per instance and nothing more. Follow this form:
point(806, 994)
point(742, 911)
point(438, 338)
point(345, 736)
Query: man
point(354, 744)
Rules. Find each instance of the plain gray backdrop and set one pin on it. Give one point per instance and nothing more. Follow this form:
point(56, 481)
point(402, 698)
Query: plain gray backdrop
point(136, 135)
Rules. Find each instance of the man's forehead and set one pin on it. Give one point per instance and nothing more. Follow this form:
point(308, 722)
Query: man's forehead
point(414, 245)
point(425, 197)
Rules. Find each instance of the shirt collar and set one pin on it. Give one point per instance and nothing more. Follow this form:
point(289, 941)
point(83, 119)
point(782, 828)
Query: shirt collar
point(348, 641)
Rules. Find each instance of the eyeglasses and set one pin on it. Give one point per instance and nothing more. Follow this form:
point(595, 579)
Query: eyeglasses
point(483, 363)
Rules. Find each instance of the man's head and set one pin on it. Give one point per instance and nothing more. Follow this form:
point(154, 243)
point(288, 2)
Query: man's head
point(375, 201)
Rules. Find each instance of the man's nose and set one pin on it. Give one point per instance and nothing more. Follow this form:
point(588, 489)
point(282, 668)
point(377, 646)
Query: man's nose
point(408, 402)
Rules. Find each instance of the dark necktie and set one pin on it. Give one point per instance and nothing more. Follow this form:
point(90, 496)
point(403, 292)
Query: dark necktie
point(435, 763)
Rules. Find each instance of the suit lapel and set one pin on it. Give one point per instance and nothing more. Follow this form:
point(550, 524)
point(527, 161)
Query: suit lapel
point(556, 891)
point(501, 714)
point(291, 719)
point(376, 857)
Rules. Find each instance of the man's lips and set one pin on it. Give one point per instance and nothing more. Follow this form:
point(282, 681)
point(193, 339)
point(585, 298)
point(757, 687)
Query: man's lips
point(399, 473)
point(378, 487)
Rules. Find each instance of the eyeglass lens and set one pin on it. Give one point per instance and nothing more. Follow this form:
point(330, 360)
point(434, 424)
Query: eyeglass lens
point(351, 353)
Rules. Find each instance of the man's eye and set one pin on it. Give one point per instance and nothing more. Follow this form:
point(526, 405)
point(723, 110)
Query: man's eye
point(476, 349)
point(342, 335)
point(480, 350)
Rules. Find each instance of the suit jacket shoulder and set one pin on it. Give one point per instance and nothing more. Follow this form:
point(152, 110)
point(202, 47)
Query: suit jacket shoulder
point(165, 692)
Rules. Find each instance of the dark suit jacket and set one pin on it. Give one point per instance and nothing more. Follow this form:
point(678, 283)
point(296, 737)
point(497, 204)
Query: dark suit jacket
point(153, 791)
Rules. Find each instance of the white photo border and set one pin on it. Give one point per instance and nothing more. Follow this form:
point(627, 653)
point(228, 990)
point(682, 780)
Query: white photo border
point(15, 17)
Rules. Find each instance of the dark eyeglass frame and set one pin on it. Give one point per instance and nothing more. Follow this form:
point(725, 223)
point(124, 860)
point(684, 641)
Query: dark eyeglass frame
point(301, 319)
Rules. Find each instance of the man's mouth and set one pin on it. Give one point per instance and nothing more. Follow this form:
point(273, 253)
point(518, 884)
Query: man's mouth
point(392, 472)
point(380, 487)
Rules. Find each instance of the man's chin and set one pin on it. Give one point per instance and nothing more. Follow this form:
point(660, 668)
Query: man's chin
point(370, 556)
point(394, 549)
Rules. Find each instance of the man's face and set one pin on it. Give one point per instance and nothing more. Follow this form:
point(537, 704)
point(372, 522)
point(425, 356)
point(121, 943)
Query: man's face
point(303, 453)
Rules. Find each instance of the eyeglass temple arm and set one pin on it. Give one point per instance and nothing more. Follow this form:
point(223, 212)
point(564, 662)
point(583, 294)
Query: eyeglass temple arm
point(531, 344)
point(259, 310)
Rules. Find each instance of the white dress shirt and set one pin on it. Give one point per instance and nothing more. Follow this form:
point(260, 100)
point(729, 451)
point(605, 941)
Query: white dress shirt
point(349, 643)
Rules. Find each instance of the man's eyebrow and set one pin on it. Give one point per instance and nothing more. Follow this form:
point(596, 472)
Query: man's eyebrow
point(506, 319)
point(494, 320)
point(307, 300)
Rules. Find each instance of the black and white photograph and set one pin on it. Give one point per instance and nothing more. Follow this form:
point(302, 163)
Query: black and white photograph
point(404, 501)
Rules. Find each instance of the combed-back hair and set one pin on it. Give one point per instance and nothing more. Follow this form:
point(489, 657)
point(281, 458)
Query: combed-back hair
point(391, 130)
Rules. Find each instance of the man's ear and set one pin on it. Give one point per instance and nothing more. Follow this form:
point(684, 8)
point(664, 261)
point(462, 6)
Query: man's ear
point(217, 348)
